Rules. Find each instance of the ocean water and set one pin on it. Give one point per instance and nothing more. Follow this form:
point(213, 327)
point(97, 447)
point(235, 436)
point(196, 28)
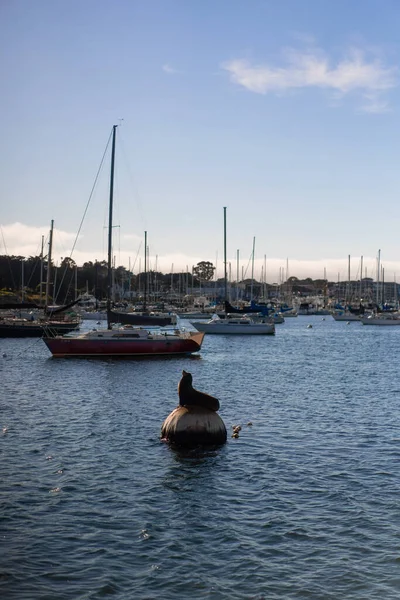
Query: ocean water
point(305, 504)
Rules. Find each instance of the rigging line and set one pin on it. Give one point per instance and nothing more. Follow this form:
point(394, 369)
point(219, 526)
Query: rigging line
point(248, 264)
point(87, 205)
point(136, 194)
point(8, 258)
point(137, 254)
point(70, 284)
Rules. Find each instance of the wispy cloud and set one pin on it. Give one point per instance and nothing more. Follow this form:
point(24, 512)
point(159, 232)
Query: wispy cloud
point(313, 69)
point(170, 70)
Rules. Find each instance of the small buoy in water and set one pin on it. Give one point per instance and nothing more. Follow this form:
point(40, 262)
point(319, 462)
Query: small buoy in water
point(4, 354)
point(249, 424)
point(323, 319)
point(348, 323)
point(309, 326)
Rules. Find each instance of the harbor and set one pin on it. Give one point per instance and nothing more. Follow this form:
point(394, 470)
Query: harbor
point(94, 503)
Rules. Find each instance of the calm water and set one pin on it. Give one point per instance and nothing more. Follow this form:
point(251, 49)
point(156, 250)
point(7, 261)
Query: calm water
point(305, 504)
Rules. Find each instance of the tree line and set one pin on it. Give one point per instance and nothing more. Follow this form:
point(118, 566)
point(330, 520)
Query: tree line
point(27, 277)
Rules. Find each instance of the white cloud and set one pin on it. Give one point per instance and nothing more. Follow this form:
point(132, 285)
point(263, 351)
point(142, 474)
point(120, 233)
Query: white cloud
point(25, 240)
point(170, 70)
point(313, 69)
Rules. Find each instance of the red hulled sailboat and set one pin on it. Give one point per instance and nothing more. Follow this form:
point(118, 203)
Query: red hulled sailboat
point(128, 340)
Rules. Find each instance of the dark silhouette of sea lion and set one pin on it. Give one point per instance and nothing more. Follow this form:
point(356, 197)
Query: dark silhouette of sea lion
point(189, 396)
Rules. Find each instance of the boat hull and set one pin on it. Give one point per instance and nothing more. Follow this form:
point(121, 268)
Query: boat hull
point(380, 322)
point(63, 347)
point(346, 317)
point(234, 329)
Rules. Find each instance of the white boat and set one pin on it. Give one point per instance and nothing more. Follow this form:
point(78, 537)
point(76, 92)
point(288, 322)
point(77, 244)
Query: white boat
point(381, 319)
point(292, 312)
point(236, 325)
point(345, 316)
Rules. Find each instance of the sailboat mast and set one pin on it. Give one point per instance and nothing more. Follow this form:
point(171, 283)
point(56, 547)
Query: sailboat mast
point(348, 299)
point(225, 271)
point(378, 268)
point(252, 269)
point(110, 221)
point(49, 264)
point(145, 272)
point(237, 275)
point(41, 273)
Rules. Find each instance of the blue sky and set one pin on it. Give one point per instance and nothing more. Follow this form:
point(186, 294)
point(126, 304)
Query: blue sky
point(285, 112)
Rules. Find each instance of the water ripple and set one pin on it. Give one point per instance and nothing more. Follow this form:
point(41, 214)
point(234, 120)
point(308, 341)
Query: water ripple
point(303, 504)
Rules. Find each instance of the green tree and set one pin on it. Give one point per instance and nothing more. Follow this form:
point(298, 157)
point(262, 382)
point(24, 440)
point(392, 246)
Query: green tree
point(204, 270)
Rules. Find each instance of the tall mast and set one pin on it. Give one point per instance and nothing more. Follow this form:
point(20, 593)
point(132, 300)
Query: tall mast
point(378, 268)
point(145, 271)
point(22, 281)
point(265, 278)
point(225, 272)
point(252, 269)
point(110, 221)
point(49, 264)
point(348, 299)
point(237, 275)
point(41, 273)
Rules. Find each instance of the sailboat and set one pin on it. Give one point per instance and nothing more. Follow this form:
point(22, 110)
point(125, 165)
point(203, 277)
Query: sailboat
point(127, 341)
point(144, 317)
point(37, 320)
point(233, 323)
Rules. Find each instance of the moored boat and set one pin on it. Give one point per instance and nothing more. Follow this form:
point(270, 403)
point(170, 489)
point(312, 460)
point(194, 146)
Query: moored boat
point(383, 319)
point(14, 327)
point(125, 342)
point(128, 340)
point(236, 325)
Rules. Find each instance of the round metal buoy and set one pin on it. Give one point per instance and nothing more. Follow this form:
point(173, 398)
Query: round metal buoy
point(191, 426)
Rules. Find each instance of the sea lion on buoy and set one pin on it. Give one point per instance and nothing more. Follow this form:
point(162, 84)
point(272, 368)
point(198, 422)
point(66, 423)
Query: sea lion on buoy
point(189, 396)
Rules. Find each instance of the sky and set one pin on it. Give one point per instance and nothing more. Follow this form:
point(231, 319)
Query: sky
point(286, 113)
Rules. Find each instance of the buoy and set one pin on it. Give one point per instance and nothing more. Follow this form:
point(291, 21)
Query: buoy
point(309, 326)
point(191, 426)
point(195, 421)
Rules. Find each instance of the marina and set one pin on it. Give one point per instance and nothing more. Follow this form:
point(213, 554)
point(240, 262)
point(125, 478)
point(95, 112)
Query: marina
point(199, 390)
point(306, 497)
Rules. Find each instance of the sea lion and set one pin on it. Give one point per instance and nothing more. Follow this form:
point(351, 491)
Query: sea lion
point(189, 396)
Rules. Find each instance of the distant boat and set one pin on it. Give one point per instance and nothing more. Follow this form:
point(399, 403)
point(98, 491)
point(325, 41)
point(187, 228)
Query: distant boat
point(345, 315)
point(16, 327)
point(236, 325)
point(235, 322)
point(383, 319)
point(124, 341)
point(28, 319)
